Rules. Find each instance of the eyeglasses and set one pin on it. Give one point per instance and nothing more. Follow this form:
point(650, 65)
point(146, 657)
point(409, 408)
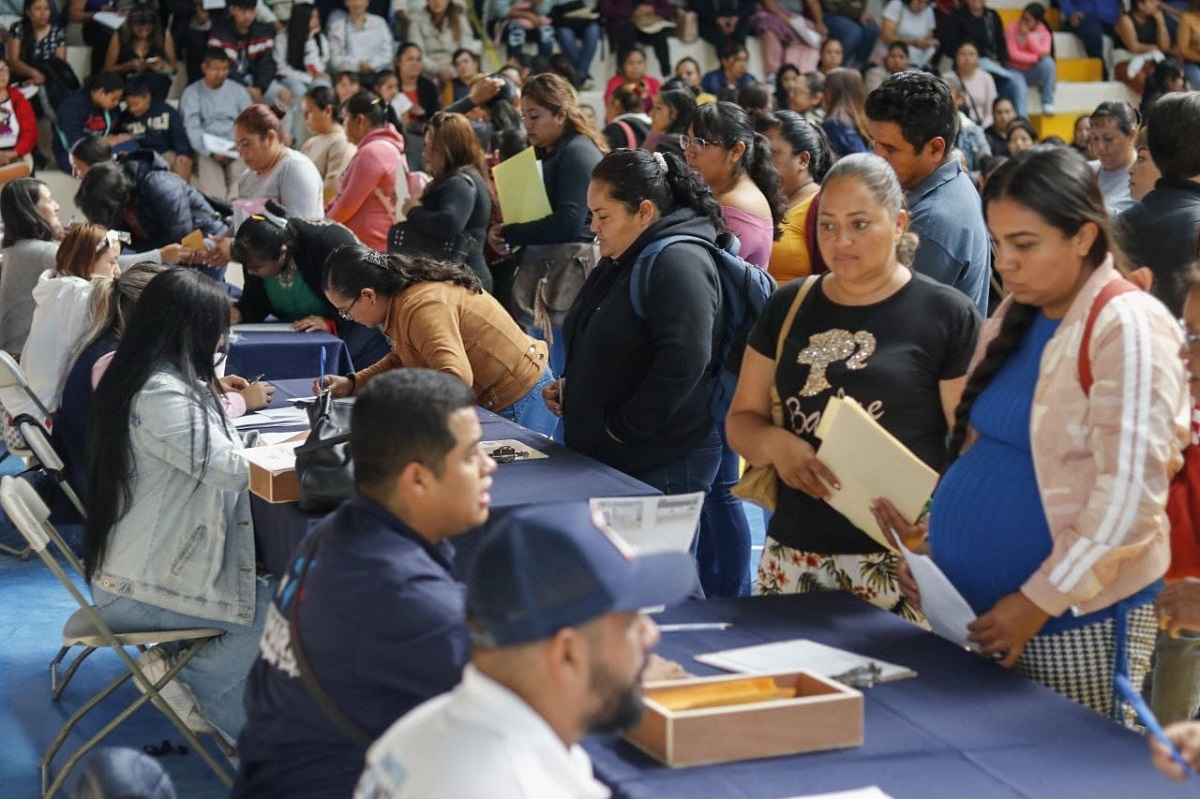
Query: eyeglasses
point(344, 313)
point(1190, 338)
point(688, 142)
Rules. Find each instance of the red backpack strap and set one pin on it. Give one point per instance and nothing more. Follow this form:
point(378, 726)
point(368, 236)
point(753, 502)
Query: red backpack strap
point(1111, 289)
point(810, 236)
point(630, 139)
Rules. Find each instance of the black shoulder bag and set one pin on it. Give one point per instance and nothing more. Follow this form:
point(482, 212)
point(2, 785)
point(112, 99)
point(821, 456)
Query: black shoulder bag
point(323, 466)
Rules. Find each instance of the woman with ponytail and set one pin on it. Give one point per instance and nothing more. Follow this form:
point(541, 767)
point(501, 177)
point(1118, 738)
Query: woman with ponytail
point(1050, 519)
point(635, 391)
point(438, 316)
point(871, 330)
point(802, 157)
point(274, 171)
point(737, 163)
point(374, 183)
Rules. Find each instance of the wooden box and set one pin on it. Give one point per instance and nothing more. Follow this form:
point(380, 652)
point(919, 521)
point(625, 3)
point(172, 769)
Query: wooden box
point(823, 715)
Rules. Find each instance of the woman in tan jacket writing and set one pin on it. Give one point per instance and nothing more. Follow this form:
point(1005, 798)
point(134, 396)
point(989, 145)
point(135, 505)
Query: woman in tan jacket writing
point(438, 317)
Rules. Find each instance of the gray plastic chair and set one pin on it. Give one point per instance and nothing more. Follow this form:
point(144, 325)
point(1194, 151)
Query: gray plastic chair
point(86, 628)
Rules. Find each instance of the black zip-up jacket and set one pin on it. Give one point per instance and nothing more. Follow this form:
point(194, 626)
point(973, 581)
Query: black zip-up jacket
point(637, 389)
point(1161, 232)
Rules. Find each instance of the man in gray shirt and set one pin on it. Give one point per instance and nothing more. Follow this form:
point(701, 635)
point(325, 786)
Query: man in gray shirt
point(914, 123)
point(210, 105)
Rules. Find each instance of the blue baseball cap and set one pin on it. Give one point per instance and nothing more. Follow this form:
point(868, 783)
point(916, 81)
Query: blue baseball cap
point(559, 565)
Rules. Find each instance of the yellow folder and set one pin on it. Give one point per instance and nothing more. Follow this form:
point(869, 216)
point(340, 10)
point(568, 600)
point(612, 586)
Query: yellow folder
point(520, 188)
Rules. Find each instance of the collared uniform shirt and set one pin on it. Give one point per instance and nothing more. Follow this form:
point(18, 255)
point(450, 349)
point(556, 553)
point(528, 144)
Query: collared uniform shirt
point(508, 749)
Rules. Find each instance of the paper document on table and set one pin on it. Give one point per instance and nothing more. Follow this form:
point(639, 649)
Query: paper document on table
point(288, 414)
point(263, 327)
point(520, 188)
point(800, 653)
point(948, 613)
point(109, 19)
point(271, 439)
point(870, 463)
point(653, 524)
point(275, 459)
point(871, 792)
point(219, 146)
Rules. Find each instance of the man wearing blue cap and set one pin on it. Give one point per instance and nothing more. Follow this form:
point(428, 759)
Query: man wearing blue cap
point(375, 626)
point(560, 646)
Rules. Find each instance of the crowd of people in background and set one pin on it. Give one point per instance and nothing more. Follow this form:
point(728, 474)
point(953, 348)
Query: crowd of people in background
point(932, 256)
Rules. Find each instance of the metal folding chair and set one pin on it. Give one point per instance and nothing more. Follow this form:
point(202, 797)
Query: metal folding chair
point(86, 628)
point(12, 378)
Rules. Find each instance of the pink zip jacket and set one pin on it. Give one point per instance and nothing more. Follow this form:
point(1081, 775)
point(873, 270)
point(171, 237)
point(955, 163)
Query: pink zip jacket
point(366, 197)
point(1025, 51)
point(1104, 461)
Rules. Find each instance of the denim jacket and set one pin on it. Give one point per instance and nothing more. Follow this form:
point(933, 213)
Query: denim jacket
point(186, 542)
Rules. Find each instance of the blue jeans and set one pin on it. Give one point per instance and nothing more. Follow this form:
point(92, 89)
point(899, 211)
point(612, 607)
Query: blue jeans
point(217, 675)
point(1192, 70)
point(858, 41)
point(516, 38)
point(530, 411)
point(581, 52)
point(558, 363)
point(1043, 74)
point(1010, 83)
point(691, 472)
point(723, 547)
point(1175, 694)
point(1091, 31)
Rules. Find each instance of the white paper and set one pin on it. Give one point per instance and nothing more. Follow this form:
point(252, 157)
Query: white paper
point(271, 439)
point(289, 414)
point(218, 146)
point(799, 653)
point(948, 613)
point(653, 524)
point(300, 400)
point(524, 451)
point(870, 463)
point(275, 459)
point(401, 104)
point(871, 792)
point(213, 5)
point(109, 19)
point(264, 327)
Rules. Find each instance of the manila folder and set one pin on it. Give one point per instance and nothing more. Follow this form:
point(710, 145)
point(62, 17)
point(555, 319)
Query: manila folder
point(870, 463)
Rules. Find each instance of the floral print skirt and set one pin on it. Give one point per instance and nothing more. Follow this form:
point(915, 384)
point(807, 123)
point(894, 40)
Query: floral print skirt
point(872, 577)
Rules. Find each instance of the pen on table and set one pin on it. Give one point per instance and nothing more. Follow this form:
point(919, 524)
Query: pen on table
point(1146, 716)
point(321, 377)
point(694, 627)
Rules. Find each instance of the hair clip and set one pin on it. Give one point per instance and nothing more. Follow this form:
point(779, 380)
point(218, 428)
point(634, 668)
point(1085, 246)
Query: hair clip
point(267, 216)
point(113, 238)
point(661, 161)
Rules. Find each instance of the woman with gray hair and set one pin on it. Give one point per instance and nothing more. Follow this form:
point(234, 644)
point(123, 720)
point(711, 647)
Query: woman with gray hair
point(855, 338)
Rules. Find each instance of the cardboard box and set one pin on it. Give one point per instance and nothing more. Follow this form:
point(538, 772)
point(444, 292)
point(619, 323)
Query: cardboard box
point(273, 469)
point(823, 715)
point(274, 486)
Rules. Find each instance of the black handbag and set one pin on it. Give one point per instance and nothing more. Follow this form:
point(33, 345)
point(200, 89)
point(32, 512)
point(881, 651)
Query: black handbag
point(323, 466)
point(409, 239)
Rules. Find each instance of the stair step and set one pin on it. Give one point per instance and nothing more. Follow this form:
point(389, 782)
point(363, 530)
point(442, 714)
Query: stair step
point(1080, 70)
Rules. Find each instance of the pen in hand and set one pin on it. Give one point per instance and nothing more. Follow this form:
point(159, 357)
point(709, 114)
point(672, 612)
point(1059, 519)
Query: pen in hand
point(1126, 690)
point(260, 377)
point(321, 376)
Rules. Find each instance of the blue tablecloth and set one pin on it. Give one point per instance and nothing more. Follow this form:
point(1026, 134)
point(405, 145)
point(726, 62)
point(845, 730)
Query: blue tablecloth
point(565, 475)
point(964, 728)
point(282, 356)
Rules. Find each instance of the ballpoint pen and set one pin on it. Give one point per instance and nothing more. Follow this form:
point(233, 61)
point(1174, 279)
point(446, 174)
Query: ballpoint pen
point(321, 377)
point(1146, 716)
point(694, 627)
point(261, 376)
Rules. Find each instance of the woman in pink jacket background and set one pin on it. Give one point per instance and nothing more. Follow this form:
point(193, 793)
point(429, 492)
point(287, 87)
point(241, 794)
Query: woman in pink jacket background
point(1030, 52)
point(367, 198)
